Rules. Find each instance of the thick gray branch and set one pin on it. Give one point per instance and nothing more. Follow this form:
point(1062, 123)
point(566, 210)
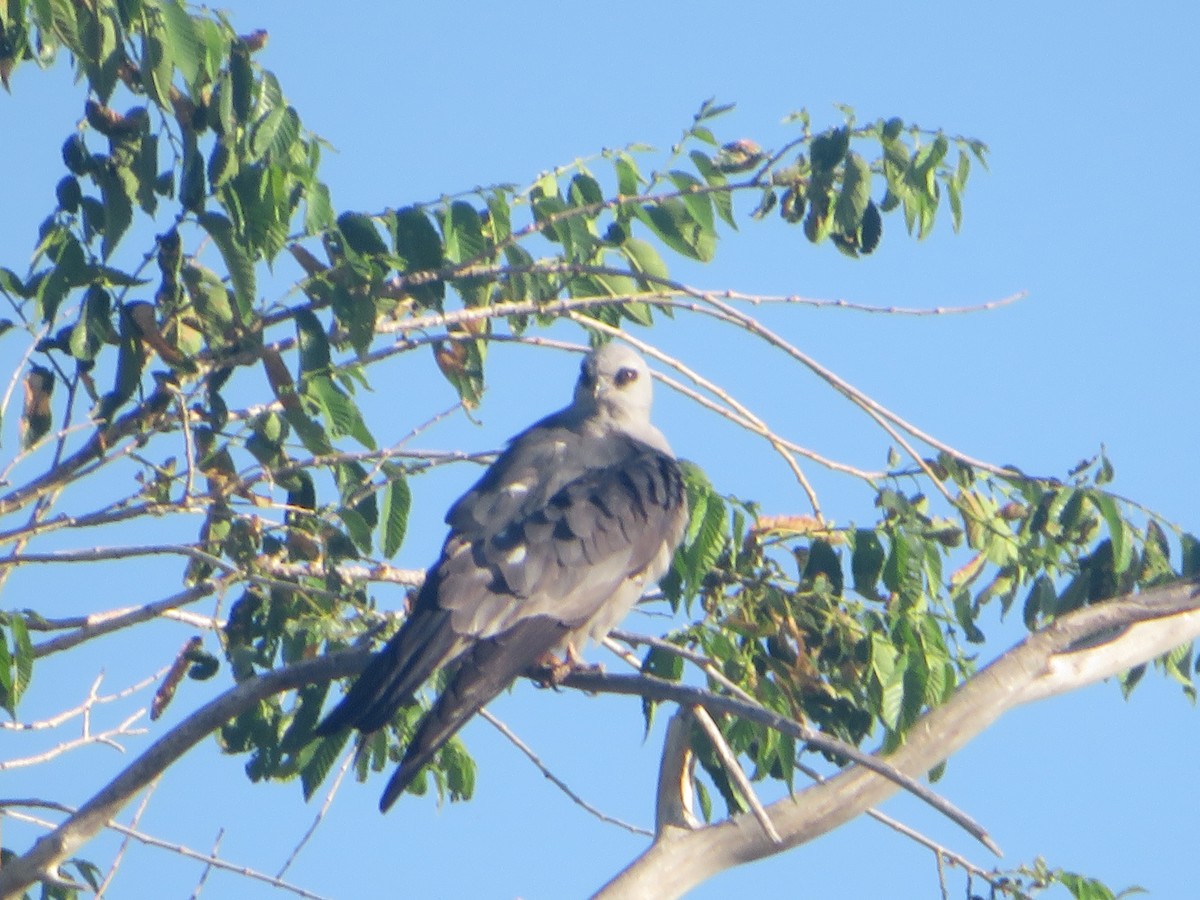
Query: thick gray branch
point(79, 828)
point(1080, 648)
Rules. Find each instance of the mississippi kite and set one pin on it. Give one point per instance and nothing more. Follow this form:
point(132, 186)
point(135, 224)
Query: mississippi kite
point(552, 547)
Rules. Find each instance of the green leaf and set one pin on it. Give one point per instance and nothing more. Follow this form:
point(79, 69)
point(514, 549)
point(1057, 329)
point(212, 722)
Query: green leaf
point(314, 343)
point(22, 657)
point(11, 284)
point(321, 762)
point(694, 198)
point(866, 563)
point(183, 42)
point(584, 190)
point(118, 209)
point(1041, 600)
point(356, 312)
point(360, 234)
point(357, 528)
point(629, 179)
point(318, 208)
point(889, 668)
point(419, 247)
point(674, 226)
point(1118, 532)
point(94, 325)
point(263, 132)
point(659, 664)
point(464, 233)
point(852, 201)
point(644, 259)
point(397, 500)
point(340, 413)
point(237, 261)
point(829, 149)
point(824, 561)
point(499, 216)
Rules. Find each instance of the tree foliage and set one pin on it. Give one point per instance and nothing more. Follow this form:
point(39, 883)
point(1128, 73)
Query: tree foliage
point(163, 385)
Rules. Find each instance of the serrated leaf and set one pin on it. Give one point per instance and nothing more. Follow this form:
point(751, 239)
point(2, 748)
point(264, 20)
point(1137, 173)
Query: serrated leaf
point(318, 208)
point(183, 41)
point(694, 197)
point(340, 413)
point(22, 659)
point(263, 132)
point(673, 224)
point(357, 528)
point(1040, 601)
point(397, 501)
point(855, 194)
point(313, 342)
point(237, 261)
point(94, 325)
point(321, 762)
point(823, 561)
point(1118, 532)
point(420, 249)
point(644, 259)
point(118, 208)
point(360, 234)
point(463, 232)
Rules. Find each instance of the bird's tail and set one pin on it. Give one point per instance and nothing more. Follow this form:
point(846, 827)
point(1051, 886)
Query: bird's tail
point(490, 666)
point(394, 674)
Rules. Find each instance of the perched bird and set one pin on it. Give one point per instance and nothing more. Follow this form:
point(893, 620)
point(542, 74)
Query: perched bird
point(552, 547)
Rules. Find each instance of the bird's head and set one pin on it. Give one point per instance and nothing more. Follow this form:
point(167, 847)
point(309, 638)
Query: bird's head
point(615, 382)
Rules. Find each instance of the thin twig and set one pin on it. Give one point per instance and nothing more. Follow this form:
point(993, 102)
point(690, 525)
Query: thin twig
point(120, 854)
point(320, 816)
point(151, 841)
point(734, 769)
point(555, 780)
point(208, 867)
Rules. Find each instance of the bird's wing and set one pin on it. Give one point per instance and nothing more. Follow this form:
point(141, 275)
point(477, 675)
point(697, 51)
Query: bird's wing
point(566, 556)
point(525, 591)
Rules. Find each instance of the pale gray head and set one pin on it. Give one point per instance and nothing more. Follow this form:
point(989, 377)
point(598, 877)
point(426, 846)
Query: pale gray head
point(615, 383)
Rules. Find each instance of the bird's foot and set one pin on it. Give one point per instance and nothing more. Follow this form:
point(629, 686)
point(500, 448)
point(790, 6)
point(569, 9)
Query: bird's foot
point(550, 671)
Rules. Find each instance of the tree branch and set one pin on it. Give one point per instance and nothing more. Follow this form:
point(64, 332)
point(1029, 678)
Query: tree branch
point(78, 828)
point(1080, 648)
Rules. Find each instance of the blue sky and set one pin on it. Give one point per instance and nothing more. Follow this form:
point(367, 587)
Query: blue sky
point(1089, 206)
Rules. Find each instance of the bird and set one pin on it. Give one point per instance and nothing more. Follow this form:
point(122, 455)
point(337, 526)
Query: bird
point(572, 523)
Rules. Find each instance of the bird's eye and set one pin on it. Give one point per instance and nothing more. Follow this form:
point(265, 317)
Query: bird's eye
point(626, 376)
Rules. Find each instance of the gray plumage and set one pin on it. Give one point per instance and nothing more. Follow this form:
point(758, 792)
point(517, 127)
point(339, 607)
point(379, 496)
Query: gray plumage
point(552, 547)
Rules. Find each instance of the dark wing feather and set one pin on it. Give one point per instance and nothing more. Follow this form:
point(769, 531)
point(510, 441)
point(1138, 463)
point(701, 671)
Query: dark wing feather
point(395, 673)
point(483, 672)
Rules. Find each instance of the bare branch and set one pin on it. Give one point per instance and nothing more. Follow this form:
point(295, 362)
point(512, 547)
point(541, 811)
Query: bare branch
point(734, 769)
point(83, 824)
point(114, 620)
point(120, 855)
point(321, 813)
point(1065, 655)
point(554, 779)
point(673, 807)
point(149, 841)
point(208, 866)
